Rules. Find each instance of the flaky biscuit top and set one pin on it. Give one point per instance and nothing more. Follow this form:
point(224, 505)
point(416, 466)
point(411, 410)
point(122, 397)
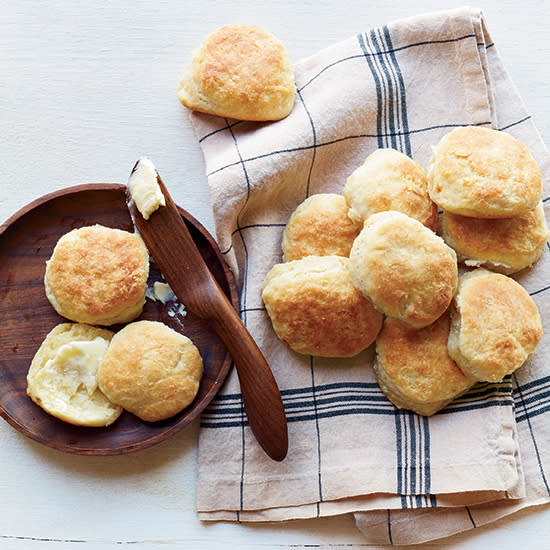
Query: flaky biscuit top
point(485, 173)
point(240, 71)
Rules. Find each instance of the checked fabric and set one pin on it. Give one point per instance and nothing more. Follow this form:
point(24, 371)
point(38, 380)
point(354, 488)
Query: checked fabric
point(406, 478)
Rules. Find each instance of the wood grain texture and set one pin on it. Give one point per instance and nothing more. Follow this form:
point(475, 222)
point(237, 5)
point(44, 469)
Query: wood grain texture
point(26, 242)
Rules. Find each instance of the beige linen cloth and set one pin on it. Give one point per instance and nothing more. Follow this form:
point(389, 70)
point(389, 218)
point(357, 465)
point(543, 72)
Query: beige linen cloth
point(406, 478)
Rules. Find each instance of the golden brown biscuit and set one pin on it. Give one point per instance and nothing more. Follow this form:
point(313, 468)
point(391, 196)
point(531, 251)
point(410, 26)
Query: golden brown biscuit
point(495, 325)
point(316, 310)
point(241, 72)
point(483, 173)
point(320, 226)
point(98, 275)
point(390, 180)
point(413, 367)
point(505, 245)
point(151, 370)
point(62, 378)
point(408, 272)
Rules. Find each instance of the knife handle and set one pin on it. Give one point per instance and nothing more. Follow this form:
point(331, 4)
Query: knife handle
point(261, 396)
point(194, 284)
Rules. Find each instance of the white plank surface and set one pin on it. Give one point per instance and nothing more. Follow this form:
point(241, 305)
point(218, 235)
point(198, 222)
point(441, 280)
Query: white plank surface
point(85, 89)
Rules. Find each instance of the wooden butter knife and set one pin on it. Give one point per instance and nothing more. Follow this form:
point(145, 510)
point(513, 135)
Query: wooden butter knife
point(174, 251)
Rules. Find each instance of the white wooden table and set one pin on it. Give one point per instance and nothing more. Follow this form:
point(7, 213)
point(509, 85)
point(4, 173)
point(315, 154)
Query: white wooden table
point(85, 89)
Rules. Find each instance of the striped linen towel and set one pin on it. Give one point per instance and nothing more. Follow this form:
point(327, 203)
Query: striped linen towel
point(406, 478)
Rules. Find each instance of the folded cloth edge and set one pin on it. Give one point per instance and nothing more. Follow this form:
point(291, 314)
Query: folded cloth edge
point(477, 21)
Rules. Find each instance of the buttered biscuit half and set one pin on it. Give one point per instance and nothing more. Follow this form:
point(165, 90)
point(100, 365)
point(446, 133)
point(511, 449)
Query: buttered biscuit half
point(62, 378)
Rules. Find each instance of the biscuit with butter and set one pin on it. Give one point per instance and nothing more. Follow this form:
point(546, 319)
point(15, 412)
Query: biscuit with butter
point(316, 310)
point(62, 378)
point(151, 370)
point(495, 325)
point(407, 270)
point(242, 72)
point(413, 367)
point(506, 245)
point(483, 173)
point(320, 226)
point(390, 180)
point(98, 275)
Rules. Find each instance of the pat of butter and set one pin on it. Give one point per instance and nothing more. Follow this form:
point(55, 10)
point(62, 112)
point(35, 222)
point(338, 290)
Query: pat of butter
point(163, 292)
point(74, 365)
point(144, 188)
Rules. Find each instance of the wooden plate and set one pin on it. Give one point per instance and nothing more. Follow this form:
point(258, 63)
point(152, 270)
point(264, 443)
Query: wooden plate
point(27, 240)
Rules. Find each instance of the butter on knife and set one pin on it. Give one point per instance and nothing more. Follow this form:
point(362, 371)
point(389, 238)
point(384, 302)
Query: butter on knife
point(144, 188)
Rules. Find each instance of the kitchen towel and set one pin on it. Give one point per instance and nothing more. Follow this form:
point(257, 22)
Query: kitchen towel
point(406, 478)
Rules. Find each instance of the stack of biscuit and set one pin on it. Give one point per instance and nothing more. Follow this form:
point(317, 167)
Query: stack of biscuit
point(310, 298)
point(489, 188)
point(435, 333)
point(84, 373)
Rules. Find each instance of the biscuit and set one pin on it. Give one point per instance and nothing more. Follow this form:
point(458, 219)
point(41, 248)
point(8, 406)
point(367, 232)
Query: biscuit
point(241, 72)
point(505, 245)
point(98, 275)
point(62, 378)
point(151, 370)
point(483, 173)
point(320, 226)
point(390, 180)
point(413, 367)
point(408, 271)
point(316, 310)
point(495, 325)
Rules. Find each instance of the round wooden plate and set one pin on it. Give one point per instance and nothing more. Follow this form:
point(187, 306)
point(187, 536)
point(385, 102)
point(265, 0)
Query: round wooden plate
point(27, 240)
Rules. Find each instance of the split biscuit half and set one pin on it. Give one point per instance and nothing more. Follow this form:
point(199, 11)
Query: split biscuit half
point(62, 377)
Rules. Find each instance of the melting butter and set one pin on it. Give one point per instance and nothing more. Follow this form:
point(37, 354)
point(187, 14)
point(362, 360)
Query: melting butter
point(144, 188)
point(163, 292)
point(74, 366)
